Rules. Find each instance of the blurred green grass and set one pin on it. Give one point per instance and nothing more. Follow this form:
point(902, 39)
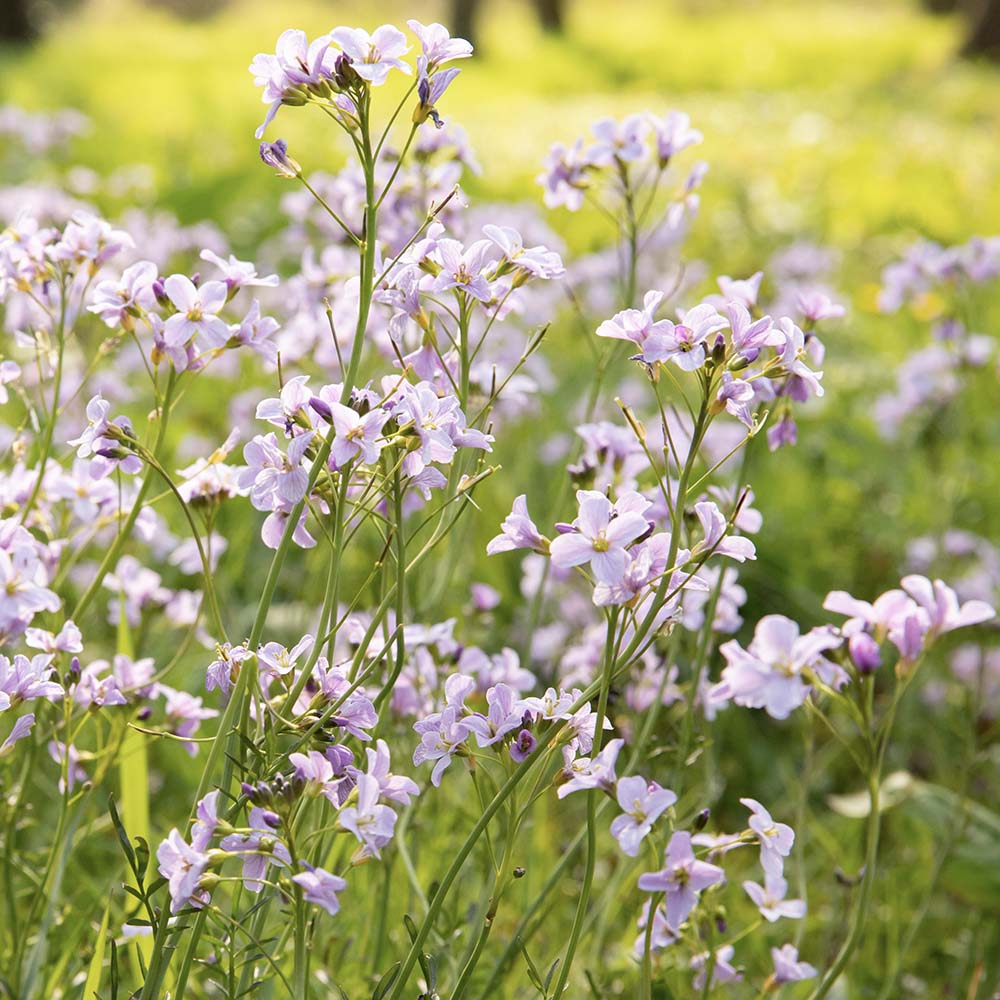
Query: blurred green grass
point(844, 119)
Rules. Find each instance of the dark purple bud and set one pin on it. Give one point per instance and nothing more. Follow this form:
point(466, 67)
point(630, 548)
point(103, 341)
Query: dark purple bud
point(321, 408)
point(275, 154)
point(340, 757)
point(523, 746)
point(564, 528)
point(272, 819)
point(144, 713)
point(651, 527)
point(344, 73)
point(160, 292)
point(74, 668)
point(720, 923)
point(424, 91)
point(864, 652)
point(196, 278)
point(248, 790)
point(719, 349)
point(701, 820)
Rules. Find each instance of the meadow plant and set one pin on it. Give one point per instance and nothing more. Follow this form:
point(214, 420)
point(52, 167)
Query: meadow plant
point(274, 816)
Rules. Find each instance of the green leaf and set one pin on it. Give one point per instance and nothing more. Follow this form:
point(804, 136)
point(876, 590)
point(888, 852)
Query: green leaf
point(385, 983)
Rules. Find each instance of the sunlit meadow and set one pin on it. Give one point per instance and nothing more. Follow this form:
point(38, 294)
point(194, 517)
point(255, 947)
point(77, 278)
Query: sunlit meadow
point(503, 521)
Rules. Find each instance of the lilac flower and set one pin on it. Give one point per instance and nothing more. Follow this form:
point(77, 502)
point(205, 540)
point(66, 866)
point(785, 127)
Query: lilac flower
point(355, 435)
point(372, 56)
point(22, 679)
point(600, 534)
point(370, 822)
point(275, 155)
point(255, 331)
point(742, 292)
point(716, 541)
point(784, 432)
point(684, 344)
point(653, 337)
point(518, 531)
point(276, 661)
point(100, 443)
point(462, 268)
point(321, 888)
point(239, 273)
point(565, 177)
point(68, 640)
point(183, 867)
point(206, 822)
point(536, 261)
point(737, 396)
point(662, 934)
point(314, 769)
point(442, 736)
point(117, 302)
point(769, 898)
point(788, 968)
point(673, 133)
point(430, 90)
point(223, 671)
point(506, 712)
point(815, 305)
point(776, 839)
point(394, 787)
point(682, 879)
point(941, 607)
point(21, 728)
point(768, 674)
point(295, 68)
point(624, 141)
point(197, 311)
point(68, 758)
point(751, 336)
point(792, 362)
point(886, 613)
point(275, 480)
point(522, 746)
point(642, 803)
point(259, 848)
point(585, 773)
point(438, 45)
point(92, 689)
point(720, 963)
point(10, 372)
point(185, 714)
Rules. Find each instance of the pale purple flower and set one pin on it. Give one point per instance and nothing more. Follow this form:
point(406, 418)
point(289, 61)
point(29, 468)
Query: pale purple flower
point(684, 344)
point(21, 728)
point(223, 671)
point(662, 934)
point(624, 141)
point(815, 305)
point(584, 773)
point(116, 302)
point(197, 311)
point(770, 899)
point(206, 821)
point(97, 443)
point(792, 360)
point(369, 821)
point(238, 273)
point(372, 56)
point(776, 839)
point(93, 689)
point(355, 436)
point(655, 338)
point(505, 714)
point(183, 867)
point(22, 679)
point(320, 887)
point(259, 849)
point(642, 803)
point(683, 878)
point(565, 177)
point(68, 640)
point(742, 291)
point(518, 531)
point(737, 396)
point(255, 331)
point(462, 267)
point(297, 65)
point(441, 736)
point(277, 661)
point(394, 787)
point(751, 336)
point(788, 968)
point(430, 90)
point(716, 540)
point(600, 533)
point(768, 674)
point(941, 606)
point(720, 963)
point(437, 44)
point(673, 133)
point(536, 261)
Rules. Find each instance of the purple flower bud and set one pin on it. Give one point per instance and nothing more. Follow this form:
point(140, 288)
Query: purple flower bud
point(160, 292)
point(144, 713)
point(523, 746)
point(272, 819)
point(74, 668)
point(321, 408)
point(275, 154)
point(864, 652)
point(564, 528)
point(340, 757)
point(701, 820)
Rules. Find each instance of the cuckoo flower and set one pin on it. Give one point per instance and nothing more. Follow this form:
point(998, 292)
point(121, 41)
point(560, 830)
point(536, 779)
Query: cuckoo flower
point(437, 44)
point(373, 56)
point(682, 879)
point(320, 887)
point(197, 311)
point(518, 531)
point(642, 803)
point(600, 533)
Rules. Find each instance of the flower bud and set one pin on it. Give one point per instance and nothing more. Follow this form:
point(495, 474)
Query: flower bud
point(701, 820)
point(864, 652)
point(275, 154)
